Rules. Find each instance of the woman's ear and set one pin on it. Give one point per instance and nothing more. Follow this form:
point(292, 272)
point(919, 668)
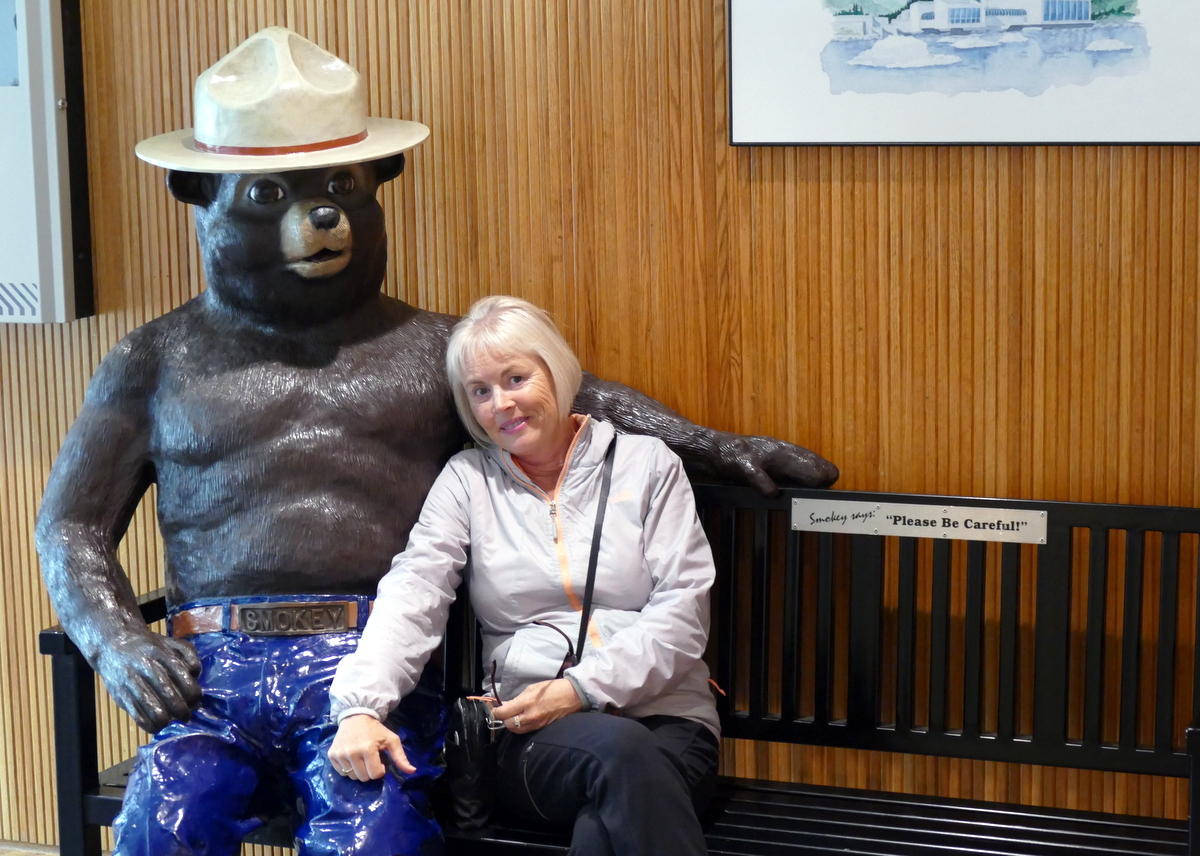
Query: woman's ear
point(194, 188)
point(388, 168)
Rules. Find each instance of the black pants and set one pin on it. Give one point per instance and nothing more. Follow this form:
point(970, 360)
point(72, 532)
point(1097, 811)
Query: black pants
point(627, 787)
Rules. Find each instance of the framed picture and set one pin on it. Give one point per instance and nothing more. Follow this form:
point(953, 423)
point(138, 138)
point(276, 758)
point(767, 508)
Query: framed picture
point(963, 71)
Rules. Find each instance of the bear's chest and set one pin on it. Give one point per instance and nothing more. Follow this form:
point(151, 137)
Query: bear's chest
point(354, 399)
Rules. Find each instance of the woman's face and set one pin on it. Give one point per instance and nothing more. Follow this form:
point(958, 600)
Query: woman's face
point(512, 397)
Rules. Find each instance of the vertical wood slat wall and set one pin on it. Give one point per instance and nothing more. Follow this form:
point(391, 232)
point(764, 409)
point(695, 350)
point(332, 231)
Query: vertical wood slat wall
point(1010, 321)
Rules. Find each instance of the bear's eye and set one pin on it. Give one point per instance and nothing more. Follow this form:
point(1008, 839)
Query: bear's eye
point(341, 183)
point(264, 192)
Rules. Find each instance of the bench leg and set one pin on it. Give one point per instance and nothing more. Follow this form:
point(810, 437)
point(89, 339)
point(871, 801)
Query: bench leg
point(76, 758)
point(1193, 825)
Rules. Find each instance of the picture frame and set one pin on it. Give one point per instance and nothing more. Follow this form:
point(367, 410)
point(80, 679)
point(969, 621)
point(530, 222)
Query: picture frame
point(879, 72)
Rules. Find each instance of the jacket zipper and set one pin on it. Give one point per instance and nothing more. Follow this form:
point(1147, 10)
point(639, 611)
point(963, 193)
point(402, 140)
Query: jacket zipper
point(564, 565)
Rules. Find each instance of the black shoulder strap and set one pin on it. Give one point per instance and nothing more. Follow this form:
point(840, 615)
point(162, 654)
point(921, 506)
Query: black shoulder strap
point(606, 479)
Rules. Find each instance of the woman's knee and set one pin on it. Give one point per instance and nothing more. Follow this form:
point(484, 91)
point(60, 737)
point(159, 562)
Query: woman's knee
point(622, 744)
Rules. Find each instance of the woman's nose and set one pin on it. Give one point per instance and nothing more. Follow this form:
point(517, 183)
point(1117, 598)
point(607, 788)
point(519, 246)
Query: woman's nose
point(501, 400)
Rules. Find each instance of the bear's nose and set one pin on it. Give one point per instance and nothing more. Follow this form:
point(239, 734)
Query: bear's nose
point(324, 217)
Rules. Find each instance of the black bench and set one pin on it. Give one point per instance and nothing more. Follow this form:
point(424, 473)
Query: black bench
point(897, 644)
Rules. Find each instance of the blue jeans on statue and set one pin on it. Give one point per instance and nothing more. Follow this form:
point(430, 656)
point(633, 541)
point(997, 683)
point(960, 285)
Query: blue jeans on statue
point(263, 727)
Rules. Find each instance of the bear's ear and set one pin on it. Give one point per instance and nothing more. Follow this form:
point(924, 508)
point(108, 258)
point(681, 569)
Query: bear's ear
point(194, 188)
point(388, 168)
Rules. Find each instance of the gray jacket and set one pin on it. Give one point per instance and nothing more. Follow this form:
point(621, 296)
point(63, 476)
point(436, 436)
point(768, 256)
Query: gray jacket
point(525, 558)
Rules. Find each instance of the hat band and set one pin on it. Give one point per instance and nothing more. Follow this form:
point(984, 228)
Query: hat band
point(282, 150)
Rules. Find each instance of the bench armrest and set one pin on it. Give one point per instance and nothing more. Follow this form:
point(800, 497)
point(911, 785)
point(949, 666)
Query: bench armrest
point(54, 640)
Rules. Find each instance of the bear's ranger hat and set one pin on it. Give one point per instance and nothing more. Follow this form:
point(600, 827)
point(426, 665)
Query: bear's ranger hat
point(278, 102)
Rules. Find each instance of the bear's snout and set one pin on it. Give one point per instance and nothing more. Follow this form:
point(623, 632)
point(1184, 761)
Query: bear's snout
point(324, 217)
point(316, 239)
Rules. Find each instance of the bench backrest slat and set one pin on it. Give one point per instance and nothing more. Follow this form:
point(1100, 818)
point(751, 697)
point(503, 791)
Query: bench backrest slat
point(790, 659)
point(1097, 605)
point(759, 641)
point(906, 631)
point(1010, 617)
point(1164, 708)
point(973, 648)
point(939, 658)
point(824, 653)
point(1052, 637)
point(1131, 639)
point(866, 596)
point(726, 645)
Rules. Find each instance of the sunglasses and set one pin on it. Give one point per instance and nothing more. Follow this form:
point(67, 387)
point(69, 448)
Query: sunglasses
point(494, 699)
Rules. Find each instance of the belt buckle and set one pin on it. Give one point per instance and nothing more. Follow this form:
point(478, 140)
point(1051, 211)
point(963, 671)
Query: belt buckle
point(295, 619)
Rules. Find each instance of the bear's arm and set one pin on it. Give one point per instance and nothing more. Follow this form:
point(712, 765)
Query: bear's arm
point(100, 475)
point(763, 462)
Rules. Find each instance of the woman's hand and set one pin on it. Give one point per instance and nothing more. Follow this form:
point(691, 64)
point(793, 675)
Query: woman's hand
point(539, 705)
point(356, 749)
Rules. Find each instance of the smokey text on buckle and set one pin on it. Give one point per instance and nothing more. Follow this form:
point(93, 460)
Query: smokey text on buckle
point(287, 619)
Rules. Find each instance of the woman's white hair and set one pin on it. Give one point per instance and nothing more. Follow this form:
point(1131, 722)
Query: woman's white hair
point(508, 326)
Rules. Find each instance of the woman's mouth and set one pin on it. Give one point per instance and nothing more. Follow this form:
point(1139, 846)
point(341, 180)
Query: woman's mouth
point(514, 424)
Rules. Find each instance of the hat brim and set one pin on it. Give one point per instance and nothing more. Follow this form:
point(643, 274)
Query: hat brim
point(177, 150)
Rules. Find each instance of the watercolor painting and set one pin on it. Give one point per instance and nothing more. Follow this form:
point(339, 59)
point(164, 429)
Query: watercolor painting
point(952, 46)
point(9, 74)
point(964, 71)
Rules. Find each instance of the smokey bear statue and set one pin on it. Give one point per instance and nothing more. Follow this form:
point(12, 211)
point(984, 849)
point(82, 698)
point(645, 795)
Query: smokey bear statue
point(292, 418)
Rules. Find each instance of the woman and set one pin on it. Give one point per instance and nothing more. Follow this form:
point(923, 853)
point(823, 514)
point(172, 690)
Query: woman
point(516, 516)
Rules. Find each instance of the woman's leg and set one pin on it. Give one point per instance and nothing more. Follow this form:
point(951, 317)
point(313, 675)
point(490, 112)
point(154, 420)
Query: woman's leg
point(589, 836)
point(693, 749)
point(592, 770)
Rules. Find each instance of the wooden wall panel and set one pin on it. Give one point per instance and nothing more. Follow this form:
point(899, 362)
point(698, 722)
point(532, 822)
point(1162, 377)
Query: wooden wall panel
point(1011, 321)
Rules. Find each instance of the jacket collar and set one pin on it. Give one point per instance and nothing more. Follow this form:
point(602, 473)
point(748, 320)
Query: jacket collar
point(587, 453)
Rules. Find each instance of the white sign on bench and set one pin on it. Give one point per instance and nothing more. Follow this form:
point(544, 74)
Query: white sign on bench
point(965, 523)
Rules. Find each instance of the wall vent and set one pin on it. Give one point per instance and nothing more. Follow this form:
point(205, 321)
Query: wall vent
point(19, 301)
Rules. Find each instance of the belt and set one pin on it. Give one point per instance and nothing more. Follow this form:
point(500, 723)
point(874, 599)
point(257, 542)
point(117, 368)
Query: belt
point(278, 616)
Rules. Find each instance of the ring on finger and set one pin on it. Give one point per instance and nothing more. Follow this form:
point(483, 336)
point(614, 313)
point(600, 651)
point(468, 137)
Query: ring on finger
point(517, 721)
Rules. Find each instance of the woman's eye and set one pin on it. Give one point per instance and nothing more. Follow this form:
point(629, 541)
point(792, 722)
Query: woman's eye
point(516, 379)
point(265, 192)
point(341, 183)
